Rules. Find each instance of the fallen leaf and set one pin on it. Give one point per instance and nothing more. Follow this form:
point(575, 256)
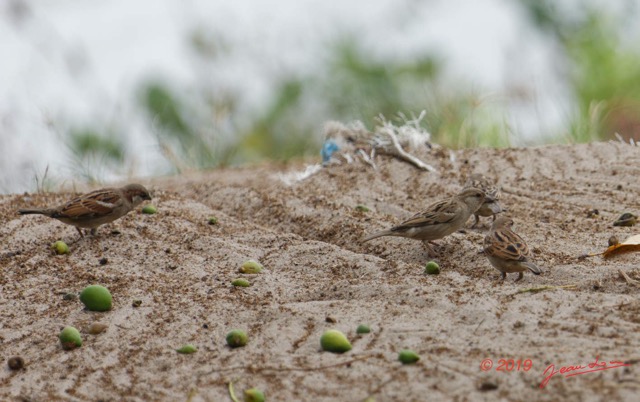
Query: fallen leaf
point(631, 244)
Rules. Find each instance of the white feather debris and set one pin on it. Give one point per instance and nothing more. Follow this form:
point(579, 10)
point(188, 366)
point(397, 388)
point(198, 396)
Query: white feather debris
point(621, 139)
point(355, 140)
point(292, 178)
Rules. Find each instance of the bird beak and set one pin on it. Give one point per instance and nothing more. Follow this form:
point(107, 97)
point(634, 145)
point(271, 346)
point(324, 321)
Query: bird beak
point(489, 199)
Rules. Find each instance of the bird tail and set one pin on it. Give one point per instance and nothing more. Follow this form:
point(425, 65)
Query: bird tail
point(533, 268)
point(34, 211)
point(376, 235)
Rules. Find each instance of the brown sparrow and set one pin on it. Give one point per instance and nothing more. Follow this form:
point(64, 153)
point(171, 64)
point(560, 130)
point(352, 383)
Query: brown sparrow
point(491, 208)
point(506, 251)
point(438, 219)
point(96, 208)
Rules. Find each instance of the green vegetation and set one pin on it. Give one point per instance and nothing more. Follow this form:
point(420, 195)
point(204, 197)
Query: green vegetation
point(207, 126)
point(602, 67)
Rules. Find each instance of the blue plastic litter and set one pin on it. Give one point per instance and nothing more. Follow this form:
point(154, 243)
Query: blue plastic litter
point(328, 148)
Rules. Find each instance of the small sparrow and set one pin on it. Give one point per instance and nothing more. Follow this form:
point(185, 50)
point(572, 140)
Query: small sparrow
point(491, 208)
point(506, 251)
point(96, 208)
point(438, 219)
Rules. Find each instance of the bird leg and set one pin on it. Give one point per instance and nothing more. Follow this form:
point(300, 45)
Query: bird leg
point(477, 220)
point(94, 231)
point(80, 231)
point(520, 276)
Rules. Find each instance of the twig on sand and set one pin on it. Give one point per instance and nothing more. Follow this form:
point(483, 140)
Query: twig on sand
point(378, 389)
point(192, 393)
point(232, 394)
point(541, 288)
point(368, 159)
point(475, 330)
point(285, 368)
point(627, 278)
point(387, 129)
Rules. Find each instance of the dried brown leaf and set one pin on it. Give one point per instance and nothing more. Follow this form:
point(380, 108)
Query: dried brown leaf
point(631, 244)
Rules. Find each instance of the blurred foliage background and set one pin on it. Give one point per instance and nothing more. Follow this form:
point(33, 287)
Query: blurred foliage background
point(205, 126)
point(603, 71)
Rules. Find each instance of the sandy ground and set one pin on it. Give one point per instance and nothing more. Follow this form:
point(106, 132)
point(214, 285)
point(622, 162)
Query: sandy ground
point(319, 276)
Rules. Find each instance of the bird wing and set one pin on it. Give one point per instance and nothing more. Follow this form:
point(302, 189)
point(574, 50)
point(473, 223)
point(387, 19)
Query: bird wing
point(507, 245)
point(97, 203)
point(441, 212)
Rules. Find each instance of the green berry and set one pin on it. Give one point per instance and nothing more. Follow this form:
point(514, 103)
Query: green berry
point(432, 268)
point(253, 395)
point(149, 209)
point(60, 247)
point(334, 341)
point(237, 338)
point(362, 208)
point(212, 220)
point(363, 329)
point(408, 356)
point(187, 349)
point(241, 282)
point(251, 267)
point(96, 298)
point(70, 338)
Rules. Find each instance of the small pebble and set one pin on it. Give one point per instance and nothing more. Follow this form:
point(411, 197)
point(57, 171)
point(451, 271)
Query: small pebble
point(70, 296)
point(103, 261)
point(136, 303)
point(626, 219)
point(96, 328)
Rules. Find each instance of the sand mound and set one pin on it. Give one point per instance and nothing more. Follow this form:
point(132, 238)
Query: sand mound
point(319, 276)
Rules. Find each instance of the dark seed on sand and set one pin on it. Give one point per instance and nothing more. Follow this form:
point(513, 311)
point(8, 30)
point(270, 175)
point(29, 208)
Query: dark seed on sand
point(16, 363)
point(487, 386)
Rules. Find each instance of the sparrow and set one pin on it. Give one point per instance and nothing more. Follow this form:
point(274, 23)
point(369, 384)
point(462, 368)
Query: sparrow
point(439, 219)
point(491, 208)
point(506, 251)
point(96, 208)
